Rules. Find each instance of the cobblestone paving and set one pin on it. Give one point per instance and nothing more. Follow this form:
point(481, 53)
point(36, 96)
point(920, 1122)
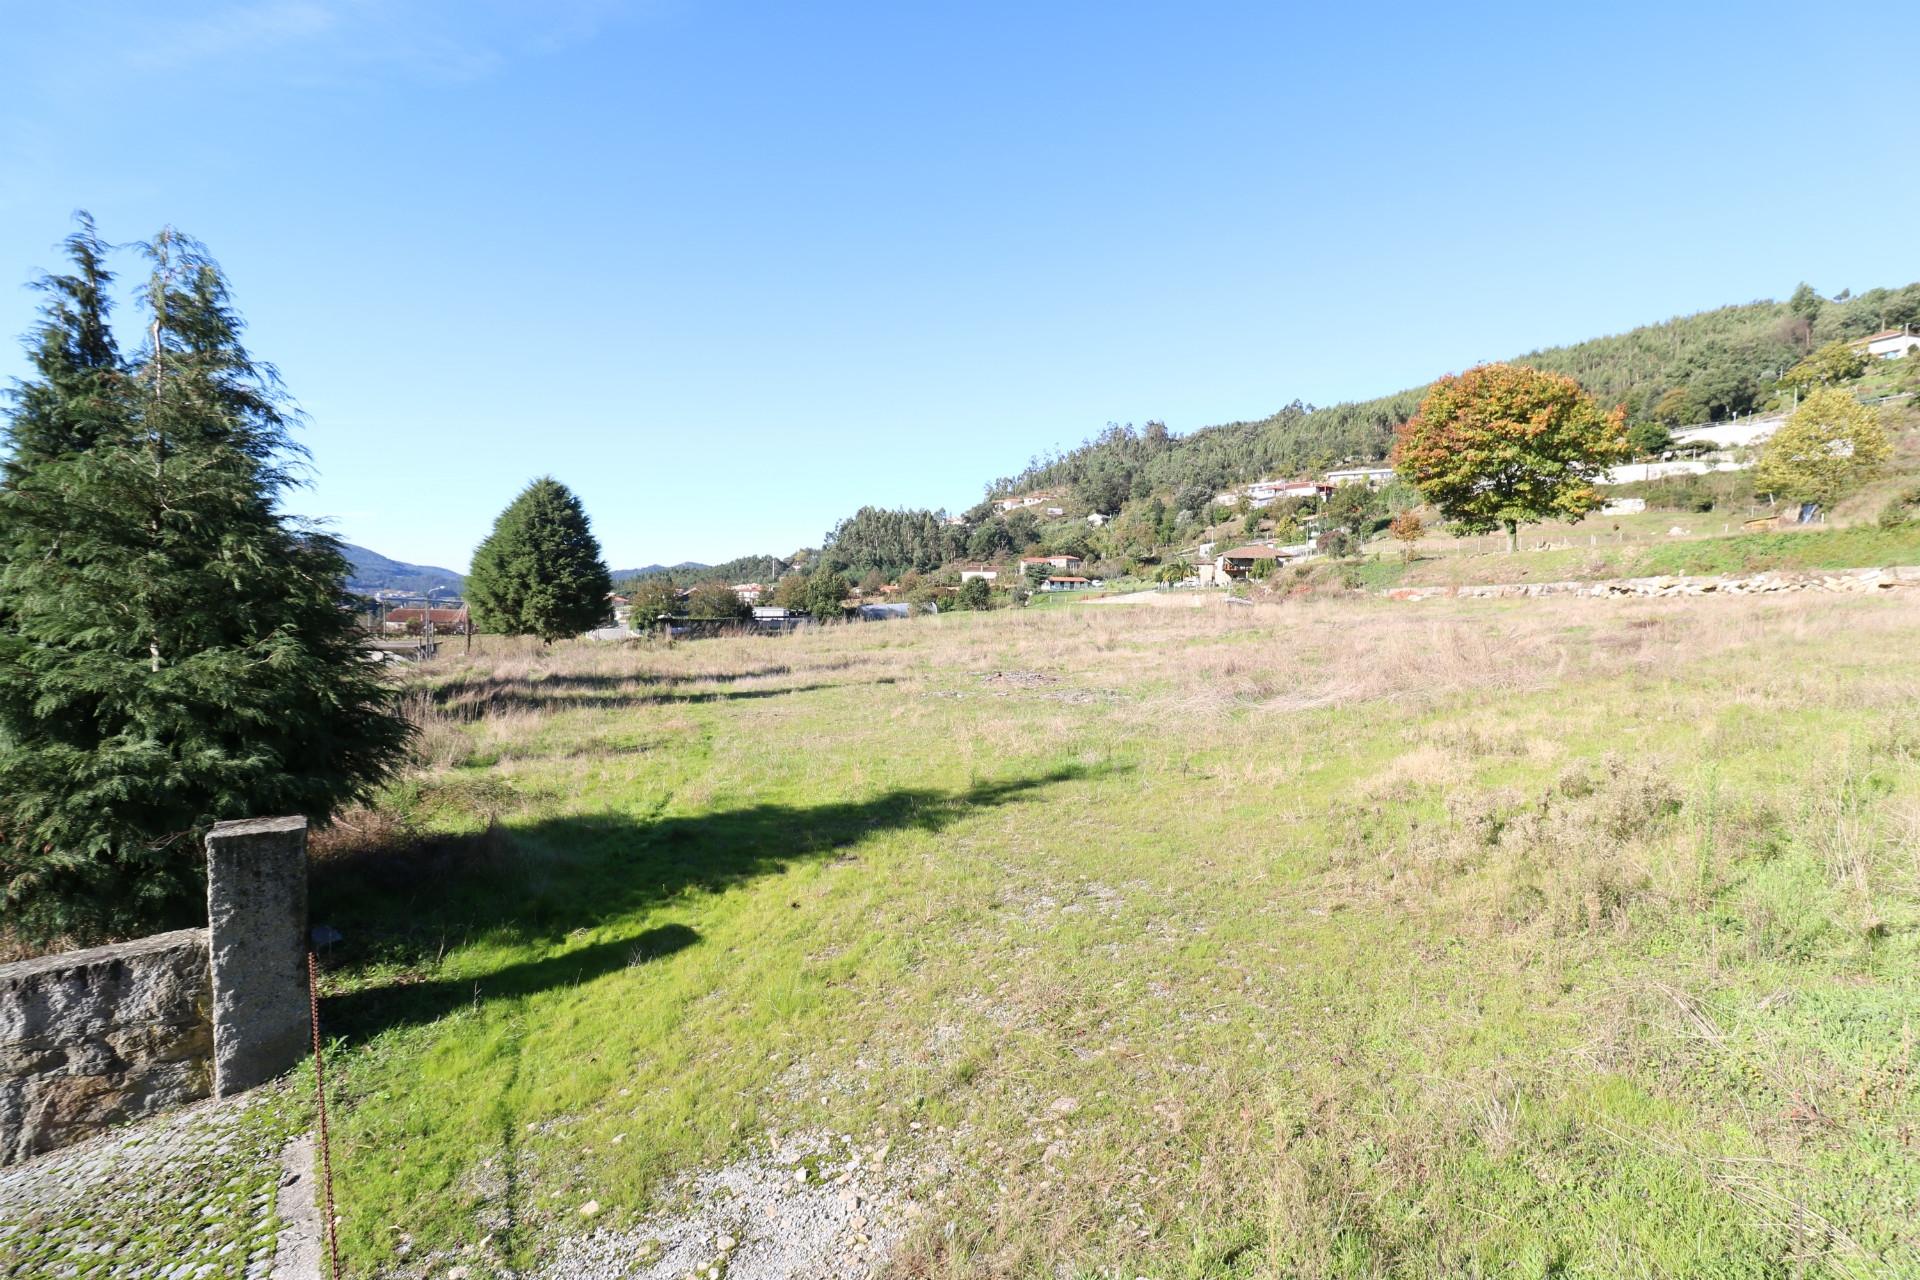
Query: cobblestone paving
point(190, 1194)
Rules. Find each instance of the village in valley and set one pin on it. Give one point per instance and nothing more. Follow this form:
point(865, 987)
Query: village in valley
point(1241, 539)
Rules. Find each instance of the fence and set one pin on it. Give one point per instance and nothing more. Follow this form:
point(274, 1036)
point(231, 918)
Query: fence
point(93, 1038)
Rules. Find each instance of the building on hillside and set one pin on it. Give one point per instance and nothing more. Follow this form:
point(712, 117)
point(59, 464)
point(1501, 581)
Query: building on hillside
point(955, 522)
point(443, 622)
point(1239, 562)
point(1264, 493)
point(1037, 498)
point(978, 571)
point(1372, 477)
point(1889, 344)
point(749, 592)
point(1069, 563)
point(1067, 582)
point(1096, 519)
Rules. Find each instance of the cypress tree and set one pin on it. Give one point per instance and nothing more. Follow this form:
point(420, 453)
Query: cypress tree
point(539, 572)
point(76, 395)
point(173, 649)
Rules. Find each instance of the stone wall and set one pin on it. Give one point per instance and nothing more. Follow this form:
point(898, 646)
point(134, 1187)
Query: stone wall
point(1858, 581)
point(92, 1038)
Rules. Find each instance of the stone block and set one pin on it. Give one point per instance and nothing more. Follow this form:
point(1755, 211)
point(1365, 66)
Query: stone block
point(93, 1038)
point(257, 928)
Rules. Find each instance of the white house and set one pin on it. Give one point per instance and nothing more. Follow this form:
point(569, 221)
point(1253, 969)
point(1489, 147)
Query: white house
point(1068, 563)
point(986, 575)
point(1372, 477)
point(1015, 503)
point(1890, 344)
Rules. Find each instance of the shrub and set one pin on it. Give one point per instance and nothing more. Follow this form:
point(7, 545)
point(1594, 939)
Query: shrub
point(1902, 508)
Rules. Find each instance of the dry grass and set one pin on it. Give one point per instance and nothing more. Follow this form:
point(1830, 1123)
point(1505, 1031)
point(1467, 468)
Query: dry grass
point(1334, 938)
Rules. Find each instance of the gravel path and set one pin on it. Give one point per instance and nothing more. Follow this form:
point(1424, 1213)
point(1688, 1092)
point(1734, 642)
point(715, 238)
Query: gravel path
point(188, 1194)
point(814, 1210)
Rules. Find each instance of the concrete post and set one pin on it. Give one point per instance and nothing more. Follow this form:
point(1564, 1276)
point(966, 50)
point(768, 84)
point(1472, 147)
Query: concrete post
point(256, 935)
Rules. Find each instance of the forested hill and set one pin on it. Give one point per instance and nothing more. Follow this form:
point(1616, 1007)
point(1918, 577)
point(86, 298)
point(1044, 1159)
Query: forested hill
point(762, 569)
point(1688, 369)
point(371, 571)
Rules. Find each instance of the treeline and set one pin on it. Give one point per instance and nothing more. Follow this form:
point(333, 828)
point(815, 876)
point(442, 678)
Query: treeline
point(892, 542)
point(764, 569)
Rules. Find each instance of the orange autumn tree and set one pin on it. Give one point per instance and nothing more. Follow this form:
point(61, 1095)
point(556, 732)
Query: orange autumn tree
point(1503, 445)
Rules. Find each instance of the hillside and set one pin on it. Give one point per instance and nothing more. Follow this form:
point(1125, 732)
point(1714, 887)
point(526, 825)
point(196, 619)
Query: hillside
point(372, 571)
point(1701, 367)
point(689, 572)
point(648, 571)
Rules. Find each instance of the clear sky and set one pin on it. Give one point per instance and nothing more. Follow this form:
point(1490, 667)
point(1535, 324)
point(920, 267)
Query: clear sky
point(732, 270)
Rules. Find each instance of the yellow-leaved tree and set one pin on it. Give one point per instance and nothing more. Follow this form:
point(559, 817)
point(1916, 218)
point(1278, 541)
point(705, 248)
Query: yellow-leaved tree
point(1829, 447)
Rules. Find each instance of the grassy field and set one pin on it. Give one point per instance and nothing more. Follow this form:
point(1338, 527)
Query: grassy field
point(1335, 939)
point(1861, 546)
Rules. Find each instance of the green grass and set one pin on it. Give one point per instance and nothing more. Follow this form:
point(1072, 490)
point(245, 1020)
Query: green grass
point(1861, 546)
point(1571, 938)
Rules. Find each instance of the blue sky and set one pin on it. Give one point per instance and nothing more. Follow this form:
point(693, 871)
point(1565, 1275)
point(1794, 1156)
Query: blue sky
point(733, 270)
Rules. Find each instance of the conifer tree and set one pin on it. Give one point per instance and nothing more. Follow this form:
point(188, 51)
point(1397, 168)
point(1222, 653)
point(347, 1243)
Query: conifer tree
point(75, 396)
point(539, 572)
point(173, 649)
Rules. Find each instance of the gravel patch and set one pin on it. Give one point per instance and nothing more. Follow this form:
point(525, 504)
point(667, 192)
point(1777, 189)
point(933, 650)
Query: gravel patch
point(814, 1208)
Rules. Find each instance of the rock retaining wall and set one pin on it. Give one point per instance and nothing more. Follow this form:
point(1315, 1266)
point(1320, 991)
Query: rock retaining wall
point(1856, 581)
point(90, 1039)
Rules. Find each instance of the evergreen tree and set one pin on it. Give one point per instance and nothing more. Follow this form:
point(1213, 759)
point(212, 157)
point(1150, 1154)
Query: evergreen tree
point(75, 396)
point(539, 572)
point(173, 650)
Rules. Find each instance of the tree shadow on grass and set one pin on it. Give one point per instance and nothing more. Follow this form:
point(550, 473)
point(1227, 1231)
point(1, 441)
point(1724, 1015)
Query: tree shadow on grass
point(402, 907)
point(369, 1010)
point(478, 701)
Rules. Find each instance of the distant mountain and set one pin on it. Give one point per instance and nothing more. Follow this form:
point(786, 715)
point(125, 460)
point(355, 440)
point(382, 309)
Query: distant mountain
point(685, 566)
point(372, 571)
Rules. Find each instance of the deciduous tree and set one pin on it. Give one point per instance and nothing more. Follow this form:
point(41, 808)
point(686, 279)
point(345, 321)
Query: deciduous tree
point(1827, 449)
point(826, 594)
point(791, 591)
point(1407, 528)
point(1835, 362)
point(649, 599)
point(1502, 445)
point(716, 601)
